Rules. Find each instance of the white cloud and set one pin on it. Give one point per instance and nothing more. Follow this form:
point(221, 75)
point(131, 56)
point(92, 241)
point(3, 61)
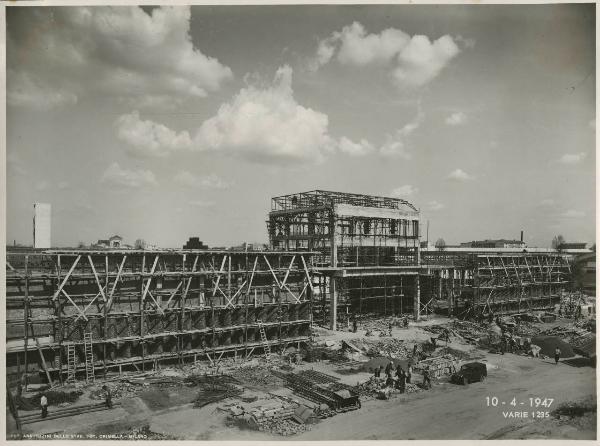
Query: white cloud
point(352, 148)
point(395, 145)
point(466, 42)
point(268, 125)
point(116, 176)
point(358, 48)
point(416, 60)
point(24, 91)
point(212, 181)
point(435, 205)
point(572, 158)
point(422, 60)
point(120, 51)
point(460, 175)
point(201, 203)
point(148, 138)
point(456, 118)
point(571, 213)
point(547, 202)
point(404, 191)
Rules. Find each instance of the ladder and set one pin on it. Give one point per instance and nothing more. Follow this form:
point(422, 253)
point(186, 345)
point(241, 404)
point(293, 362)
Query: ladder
point(89, 357)
point(265, 342)
point(71, 362)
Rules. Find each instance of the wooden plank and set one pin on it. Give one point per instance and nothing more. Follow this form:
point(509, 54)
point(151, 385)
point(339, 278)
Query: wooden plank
point(66, 278)
point(219, 276)
point(272, 272)
point(287, 273)
point(39, 349)
point(97, 279)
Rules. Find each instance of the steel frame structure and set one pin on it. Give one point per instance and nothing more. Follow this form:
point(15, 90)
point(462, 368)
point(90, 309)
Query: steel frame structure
point(367, 246)
point(149, 306)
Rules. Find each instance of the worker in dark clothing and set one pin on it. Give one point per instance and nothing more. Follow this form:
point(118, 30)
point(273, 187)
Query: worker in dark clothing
point(44, 405)
point(409, 373)
point(390, 329)
point(433, 342)
point(401, 380)
point(556, 355)
point(426, 379)
point(108, 396)
point(354, 325)
point(388, 369)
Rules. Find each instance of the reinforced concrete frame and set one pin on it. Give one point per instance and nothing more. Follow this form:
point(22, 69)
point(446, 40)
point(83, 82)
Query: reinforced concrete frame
point(368, 248)
point(143, 307)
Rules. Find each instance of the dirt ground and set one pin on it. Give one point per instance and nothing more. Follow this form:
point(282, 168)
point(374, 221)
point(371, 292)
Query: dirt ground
point(447, 411)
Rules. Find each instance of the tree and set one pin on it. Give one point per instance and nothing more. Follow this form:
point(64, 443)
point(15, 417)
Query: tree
point(140, 244)
point(440, 244)
point(557, 242)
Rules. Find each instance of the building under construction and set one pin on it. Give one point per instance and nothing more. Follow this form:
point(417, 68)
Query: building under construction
point(79, 312)
point(368, 249)
point(83, 312)
point(369, 261)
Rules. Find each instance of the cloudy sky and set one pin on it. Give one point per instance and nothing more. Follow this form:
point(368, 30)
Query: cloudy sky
point(165, 123)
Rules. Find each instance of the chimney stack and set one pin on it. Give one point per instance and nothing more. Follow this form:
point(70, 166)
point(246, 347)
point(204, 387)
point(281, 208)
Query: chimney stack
point(521, 236)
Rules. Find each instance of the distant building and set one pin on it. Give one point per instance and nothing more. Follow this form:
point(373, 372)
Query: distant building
point(42, 225)
point(501, 243)
point(115, 242)
point(195, 243)
point(573, 245)
point(250, 247)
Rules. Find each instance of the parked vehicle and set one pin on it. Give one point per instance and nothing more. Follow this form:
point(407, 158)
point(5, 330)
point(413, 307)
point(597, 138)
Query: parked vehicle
point(468, 373)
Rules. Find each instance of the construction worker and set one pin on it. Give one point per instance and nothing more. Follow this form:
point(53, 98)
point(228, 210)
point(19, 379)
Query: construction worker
point(409, 373)
point(107, 396)
point(388, 369)
point(44, 405)
point(426, 378)
point(354, 325)
point(390, 329)
point(556, 355)
point(401, 379)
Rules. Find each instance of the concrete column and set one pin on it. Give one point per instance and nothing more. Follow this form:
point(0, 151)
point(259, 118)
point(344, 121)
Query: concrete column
point(451, 293)
point(417, 298)
point(333, 300)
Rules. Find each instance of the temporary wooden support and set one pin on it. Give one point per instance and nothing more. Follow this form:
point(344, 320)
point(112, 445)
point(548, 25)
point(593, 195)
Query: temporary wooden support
point(43, 362)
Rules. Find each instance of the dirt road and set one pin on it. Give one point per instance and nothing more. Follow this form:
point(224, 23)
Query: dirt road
point(454, 412)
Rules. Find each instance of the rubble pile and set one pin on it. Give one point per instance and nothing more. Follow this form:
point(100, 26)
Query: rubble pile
point(257, 376)
point(277, 417)
point(118, 390)
point(527, 329)
point(392, 347)
point(282, 427)
point(568, 334)
point(469, 331)
point(373, 387)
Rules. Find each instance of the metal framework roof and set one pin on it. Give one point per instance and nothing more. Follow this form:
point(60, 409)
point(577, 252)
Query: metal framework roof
point(326, 198)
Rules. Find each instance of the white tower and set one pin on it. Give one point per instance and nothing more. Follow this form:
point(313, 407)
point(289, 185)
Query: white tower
point(42, 225)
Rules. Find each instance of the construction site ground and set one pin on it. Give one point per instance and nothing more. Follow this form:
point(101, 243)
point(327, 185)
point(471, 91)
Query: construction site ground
point(446, 411)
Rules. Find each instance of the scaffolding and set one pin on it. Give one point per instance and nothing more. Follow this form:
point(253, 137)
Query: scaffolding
point(367, 247)
point(145, 307)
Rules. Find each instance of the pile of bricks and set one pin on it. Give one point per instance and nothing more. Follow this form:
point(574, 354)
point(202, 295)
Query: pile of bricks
point(437, 366)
